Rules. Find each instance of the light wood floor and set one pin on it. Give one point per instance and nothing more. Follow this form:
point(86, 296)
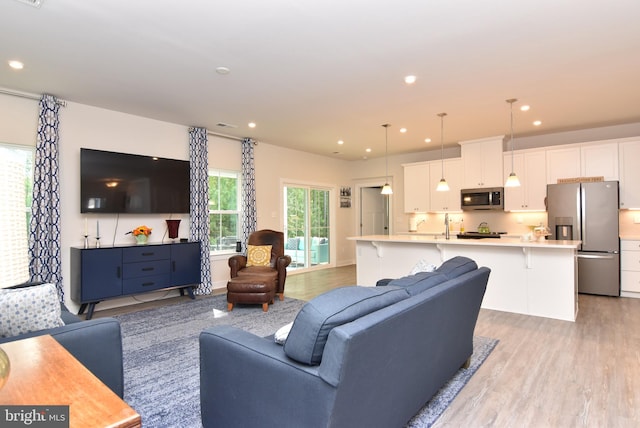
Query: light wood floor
point(543, 372)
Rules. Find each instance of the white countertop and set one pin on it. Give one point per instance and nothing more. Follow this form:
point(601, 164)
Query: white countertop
point(440, 240)
point(630, 237)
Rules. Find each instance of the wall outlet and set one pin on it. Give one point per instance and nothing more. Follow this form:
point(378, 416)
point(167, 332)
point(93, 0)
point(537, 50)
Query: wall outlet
point(636, 218)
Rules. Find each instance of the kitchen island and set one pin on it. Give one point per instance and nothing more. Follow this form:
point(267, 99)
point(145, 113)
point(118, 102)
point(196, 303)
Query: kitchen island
point(527, 277)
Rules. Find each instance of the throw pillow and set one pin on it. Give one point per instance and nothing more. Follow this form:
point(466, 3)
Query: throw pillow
point(258, 255)
point(24, 310)
point(339, 306)
point(422, 266)
point(281, 335)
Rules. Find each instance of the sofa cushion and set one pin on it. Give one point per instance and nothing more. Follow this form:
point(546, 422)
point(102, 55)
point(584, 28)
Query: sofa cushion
point(457, 266)
point(24, 310)
point(308, 335)
point(419, 282)
point(258, 255)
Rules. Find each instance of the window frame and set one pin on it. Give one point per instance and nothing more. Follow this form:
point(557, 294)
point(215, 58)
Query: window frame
point(29, 182)
point(217, 172)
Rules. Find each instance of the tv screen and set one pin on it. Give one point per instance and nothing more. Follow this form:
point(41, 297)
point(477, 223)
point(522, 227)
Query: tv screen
point(124, 183)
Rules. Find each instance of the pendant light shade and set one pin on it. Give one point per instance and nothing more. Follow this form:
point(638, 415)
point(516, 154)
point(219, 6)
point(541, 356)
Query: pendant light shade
point(512, 180)
point(386, 189)
point(443, 186)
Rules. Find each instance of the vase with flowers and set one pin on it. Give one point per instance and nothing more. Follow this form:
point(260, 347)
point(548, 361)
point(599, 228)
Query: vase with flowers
point(141, 234)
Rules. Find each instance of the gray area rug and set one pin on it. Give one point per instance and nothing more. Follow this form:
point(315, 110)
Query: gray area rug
point(161, 357)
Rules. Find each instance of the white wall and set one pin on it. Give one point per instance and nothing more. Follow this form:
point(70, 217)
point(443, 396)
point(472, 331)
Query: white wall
point(86, 126)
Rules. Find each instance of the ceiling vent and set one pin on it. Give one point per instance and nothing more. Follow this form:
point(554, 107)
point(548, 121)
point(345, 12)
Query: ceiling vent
point(225, 125)
point(34, 3)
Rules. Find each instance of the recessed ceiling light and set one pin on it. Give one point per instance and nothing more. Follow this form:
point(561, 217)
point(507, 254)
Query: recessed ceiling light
point(537, 122)
point(403, 130)
point(410, 80)
point(223, 70)
point(427, 140)
point(368, 150)
point(16, 65)
point(525, 108)
point(340, 142)
point(252, 125)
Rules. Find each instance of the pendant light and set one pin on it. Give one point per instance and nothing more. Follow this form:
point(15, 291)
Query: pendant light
point(386, 189)
point(443, 186)
point(512, 180)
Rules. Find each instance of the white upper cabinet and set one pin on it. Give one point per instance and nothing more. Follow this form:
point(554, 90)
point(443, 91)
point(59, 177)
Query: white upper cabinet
point(530, 167)
point(563, 163)
point(583, 160)
point(446, 201)
point(629, 152)
point(600, 160)
point(416, 188)
point(482, 162)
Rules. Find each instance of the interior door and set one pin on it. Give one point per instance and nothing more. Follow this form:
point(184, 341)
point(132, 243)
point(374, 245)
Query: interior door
point(374, 212)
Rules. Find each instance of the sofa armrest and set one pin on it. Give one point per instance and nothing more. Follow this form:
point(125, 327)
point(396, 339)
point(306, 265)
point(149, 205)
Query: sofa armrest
point(97, 344)
point(254, 371)
point(236, 263)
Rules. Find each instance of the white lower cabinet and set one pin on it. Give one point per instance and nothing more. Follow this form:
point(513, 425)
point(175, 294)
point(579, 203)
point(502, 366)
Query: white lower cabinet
point(630, 268)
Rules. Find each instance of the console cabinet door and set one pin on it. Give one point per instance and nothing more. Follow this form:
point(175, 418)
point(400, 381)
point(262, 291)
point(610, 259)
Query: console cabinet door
point(185, 263)
point(96, 274)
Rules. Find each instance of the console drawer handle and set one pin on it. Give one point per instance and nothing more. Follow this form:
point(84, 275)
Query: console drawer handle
point(147, 284)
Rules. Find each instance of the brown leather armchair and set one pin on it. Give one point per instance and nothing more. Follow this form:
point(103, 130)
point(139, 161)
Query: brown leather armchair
point(279, 260)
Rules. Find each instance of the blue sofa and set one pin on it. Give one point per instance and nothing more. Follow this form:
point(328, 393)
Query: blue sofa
point(355, 356)
point(96, 343)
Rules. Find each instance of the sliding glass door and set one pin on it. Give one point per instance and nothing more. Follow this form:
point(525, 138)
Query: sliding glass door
point(307, 212)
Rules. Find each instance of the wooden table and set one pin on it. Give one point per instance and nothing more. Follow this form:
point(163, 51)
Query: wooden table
point(43, 372)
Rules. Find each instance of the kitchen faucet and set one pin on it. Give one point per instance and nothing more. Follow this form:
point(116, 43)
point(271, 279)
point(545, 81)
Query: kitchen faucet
point(446, 226)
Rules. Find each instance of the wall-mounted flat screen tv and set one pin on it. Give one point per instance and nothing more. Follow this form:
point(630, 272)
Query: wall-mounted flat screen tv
point(125, 183)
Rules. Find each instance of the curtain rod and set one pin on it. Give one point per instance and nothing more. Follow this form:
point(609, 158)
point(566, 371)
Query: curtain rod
point(5, 91)
point(230, 137)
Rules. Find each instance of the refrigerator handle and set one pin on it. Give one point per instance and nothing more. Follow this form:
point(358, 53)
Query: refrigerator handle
point(594, 256)
point(581, 218)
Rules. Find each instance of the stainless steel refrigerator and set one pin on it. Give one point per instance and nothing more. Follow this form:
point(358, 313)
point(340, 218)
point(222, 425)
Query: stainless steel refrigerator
point(588, 212)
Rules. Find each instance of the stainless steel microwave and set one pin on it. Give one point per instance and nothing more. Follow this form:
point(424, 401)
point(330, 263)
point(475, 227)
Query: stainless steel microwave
point(482, 199)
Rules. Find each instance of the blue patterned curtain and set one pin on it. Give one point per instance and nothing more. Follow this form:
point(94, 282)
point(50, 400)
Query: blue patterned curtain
point(198, 156)
point(249, 216)
point(44, 240)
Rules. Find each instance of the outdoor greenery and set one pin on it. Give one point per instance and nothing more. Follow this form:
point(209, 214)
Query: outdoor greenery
point(223, 209)
point(297, 207)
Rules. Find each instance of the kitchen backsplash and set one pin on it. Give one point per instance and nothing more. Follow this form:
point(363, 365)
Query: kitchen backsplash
point(512, 223)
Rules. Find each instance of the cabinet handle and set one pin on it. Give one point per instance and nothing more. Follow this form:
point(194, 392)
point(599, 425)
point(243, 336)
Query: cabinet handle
point(119, 272)
point(148, 254)
point(147, 284)
point(147, 269)
point(173, 266)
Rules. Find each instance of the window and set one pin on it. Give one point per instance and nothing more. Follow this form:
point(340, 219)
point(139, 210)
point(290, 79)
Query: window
point(16, 176)
point(224, 210)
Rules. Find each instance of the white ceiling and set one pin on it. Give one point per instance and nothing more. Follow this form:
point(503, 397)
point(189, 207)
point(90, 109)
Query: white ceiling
point(310, 73)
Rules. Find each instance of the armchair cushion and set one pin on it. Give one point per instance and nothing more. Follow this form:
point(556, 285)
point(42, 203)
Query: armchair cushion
point(29, 309)
point(311, 328)
point(258, 255)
